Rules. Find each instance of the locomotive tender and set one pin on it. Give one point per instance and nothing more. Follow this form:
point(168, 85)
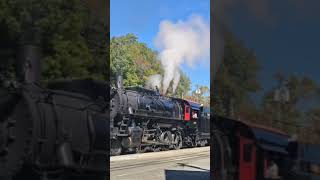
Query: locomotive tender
point(142, 119)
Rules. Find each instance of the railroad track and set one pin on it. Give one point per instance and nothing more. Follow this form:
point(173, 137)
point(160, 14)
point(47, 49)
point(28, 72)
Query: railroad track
point(150, 151)
point(140, 162)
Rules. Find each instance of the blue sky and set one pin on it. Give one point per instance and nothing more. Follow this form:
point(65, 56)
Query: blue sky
point(142, 18)
point(285, 40)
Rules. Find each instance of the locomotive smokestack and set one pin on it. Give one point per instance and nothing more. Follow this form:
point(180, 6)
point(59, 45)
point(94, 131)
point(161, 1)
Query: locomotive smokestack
point(28, 65)
point(119, 82)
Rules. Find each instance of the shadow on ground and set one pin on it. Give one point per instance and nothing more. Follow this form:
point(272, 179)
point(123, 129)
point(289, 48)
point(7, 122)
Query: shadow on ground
point(187, 175)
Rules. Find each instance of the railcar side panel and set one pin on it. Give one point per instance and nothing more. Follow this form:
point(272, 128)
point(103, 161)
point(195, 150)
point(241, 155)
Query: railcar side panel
point(247, 166)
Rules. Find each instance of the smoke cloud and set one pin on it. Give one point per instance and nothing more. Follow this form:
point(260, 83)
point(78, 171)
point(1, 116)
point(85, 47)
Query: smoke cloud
point(182, 42)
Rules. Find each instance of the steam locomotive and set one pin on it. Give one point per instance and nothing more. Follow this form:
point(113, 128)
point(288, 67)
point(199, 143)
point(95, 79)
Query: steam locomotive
point(143, 120)
point(61, 130)
point(57, 132)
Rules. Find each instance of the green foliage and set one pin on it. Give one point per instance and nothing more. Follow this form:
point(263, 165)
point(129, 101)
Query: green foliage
point(183, 87)
point(137, 62)
point(236, 77)
point(289, 115)
point(123, 53)
point(69, 33)
point(201, 94)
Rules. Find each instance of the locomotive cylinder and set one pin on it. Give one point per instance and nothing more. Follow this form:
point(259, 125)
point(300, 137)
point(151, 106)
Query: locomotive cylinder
point(134, 139)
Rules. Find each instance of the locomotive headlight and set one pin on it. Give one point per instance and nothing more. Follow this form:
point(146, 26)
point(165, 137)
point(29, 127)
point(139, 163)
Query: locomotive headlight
point(194, 122)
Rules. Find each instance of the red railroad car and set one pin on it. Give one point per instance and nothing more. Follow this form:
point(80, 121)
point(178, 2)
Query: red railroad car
point(241, 150)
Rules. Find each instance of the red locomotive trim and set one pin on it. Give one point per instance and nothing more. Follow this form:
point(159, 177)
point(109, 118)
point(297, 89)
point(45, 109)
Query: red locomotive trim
point(186, 112)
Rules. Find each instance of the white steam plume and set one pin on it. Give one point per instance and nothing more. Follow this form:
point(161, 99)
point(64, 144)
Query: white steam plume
point(176, 80)
point(153, 81)
point(183, 42)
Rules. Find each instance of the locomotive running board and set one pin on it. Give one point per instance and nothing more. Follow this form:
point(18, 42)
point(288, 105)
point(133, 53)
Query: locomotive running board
point(146, 143)
point(154, 117)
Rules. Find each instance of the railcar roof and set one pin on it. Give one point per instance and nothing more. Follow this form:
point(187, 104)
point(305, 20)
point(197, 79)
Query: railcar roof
point(265, 128)
point(269, 139)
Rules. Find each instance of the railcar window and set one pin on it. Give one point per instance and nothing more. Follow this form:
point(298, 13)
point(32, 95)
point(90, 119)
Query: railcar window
point(247, 152)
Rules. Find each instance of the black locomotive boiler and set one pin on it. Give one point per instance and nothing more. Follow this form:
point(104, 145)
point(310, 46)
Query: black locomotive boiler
point(142, 119)
point(58, 132)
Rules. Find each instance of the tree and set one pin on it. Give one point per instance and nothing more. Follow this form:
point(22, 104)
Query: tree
point(295, 112)
point(67, 30)
point(236, 77)
point(133, 59)
point(137, 62)
point(121, 60)
point(201, 94)
point(183, 87)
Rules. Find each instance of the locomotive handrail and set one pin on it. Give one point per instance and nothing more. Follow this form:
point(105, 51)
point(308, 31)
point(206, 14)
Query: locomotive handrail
point(160, 117)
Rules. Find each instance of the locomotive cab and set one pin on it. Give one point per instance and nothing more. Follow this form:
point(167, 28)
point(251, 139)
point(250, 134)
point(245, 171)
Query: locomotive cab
point(193, 113)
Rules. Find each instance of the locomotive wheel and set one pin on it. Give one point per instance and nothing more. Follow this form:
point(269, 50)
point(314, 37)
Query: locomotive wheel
point(198, 142)
point(205, 142)
point(115, 147)
point(156, 148)
point(166, 137)
point(177, 141)
point(142, 149)
point(202, 143)
point(190, 143)
point(130, 150)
